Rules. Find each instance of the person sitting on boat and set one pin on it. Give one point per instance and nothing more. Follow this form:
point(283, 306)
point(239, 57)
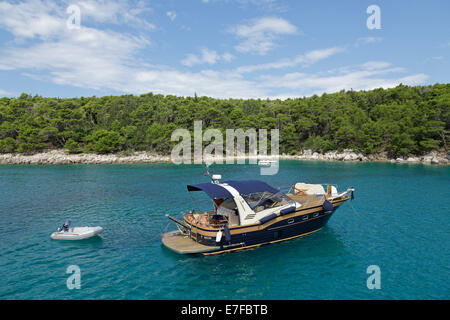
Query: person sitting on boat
point(203, 220)
point(66, 225)
point(299, 191)
point(191, 217)
point(199, 219)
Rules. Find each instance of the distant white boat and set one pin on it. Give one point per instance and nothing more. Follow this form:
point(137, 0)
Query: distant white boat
point(266, 162)
point(75, 233)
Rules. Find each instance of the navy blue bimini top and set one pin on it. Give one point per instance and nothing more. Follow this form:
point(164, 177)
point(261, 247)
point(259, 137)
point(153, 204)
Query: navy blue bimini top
point(216, 191)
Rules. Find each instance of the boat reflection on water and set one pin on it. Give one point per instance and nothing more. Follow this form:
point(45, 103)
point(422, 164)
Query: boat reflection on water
point(251, 213)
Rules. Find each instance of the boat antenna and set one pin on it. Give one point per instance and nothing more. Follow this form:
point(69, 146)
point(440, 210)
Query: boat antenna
point(215, 178)
point(207, 170)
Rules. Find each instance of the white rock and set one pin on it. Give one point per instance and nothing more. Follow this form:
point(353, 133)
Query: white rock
point(350, 156)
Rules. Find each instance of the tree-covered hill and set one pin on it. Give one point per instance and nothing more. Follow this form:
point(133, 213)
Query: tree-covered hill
point(400, 121)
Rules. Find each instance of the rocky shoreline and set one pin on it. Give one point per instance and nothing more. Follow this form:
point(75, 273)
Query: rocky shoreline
point(61, 157)
point(433, 157)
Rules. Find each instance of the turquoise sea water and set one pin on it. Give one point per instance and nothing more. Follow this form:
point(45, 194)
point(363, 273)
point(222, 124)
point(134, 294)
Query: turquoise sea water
point(400, 222)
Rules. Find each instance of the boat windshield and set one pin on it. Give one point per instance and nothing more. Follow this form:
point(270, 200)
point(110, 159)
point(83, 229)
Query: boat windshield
point(260, 201)
point(225, 206)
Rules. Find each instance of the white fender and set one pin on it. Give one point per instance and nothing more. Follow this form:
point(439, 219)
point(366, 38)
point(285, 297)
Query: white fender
point(219, 236)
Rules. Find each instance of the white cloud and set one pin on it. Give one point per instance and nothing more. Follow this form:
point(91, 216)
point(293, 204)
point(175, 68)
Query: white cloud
point(227, 57)
point(84, 57)
point(267, 5)
point(105, 59)
point(116, 12)
point(367, 40)
point(32, 19)
point(171, 14)
point(303, 60)
point(367, 76)
point(100, 10)
point(375, 65)
point(260, 34)
point(206, 82)
point(207, 57)
point(46, 19)
point(4, 93)
point(435, 59)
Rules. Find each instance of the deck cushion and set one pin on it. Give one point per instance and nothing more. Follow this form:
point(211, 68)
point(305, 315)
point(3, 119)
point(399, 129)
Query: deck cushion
point(268, 218)
point(287, 210)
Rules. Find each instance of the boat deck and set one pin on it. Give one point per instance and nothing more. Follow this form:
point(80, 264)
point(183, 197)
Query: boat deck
point(307, 201)
point(180, 243)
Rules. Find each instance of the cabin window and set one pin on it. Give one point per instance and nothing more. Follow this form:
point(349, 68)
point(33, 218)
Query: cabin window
point(305, 217)
point(260, 201)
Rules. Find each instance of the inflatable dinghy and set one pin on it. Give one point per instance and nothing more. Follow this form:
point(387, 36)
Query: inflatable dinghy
point(75, 233)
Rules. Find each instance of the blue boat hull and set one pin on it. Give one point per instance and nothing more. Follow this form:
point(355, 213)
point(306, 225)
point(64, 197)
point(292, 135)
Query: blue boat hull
point(282, 230)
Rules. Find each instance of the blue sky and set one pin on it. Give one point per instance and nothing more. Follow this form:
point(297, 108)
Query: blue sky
point(219, 48)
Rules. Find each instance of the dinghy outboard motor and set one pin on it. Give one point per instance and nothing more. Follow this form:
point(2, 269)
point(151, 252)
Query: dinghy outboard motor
point(66, 225)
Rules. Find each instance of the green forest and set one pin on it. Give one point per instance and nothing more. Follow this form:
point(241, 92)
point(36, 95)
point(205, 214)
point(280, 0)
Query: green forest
point(401, 121)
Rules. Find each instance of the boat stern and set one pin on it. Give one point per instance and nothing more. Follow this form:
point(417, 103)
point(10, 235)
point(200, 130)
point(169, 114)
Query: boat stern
point(181, 243)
